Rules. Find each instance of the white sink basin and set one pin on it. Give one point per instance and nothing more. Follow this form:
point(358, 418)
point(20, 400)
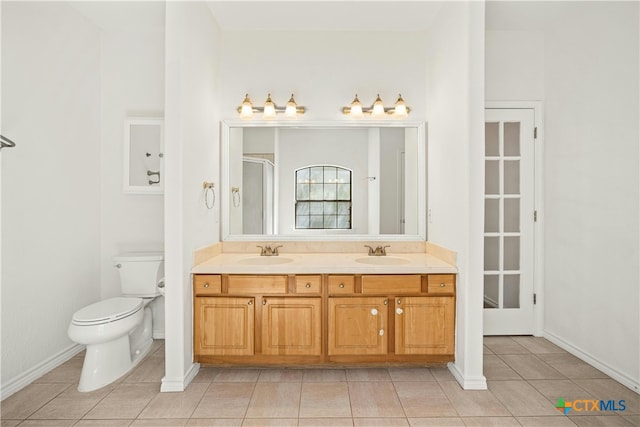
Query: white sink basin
point(265, 260)
point(383, 260)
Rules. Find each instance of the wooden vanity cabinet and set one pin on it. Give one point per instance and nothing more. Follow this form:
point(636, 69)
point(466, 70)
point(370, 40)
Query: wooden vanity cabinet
point(324, 319)
point(224, 326)
point(357, 326)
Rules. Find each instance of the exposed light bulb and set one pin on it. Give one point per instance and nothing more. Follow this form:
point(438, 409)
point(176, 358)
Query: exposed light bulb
point(378, 107)
point(356, 108)
point(269, 109)
point(246, 109)
point(400, 110)
point(291, 110)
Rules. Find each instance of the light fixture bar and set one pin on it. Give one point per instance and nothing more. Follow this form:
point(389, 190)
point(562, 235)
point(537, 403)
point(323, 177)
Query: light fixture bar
point(247, 109)
point(400, 109)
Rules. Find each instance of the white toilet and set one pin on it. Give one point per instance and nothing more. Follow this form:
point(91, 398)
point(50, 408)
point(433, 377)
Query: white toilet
point(118, 331)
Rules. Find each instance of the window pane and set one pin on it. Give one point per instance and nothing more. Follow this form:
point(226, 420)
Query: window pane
point(329, 191)
point(492, 177)
point(491, 139)
point(302, 191)
point(511, 177)
point(344, 208)
point(512, 253)
point(330, 174)
point(317, 174)
point(302, 222)
point(511, 291)
point(491, 215)
point(316, 208)
point(491, 253)
point(330, 221)
point(344, 176)
point(512, 215)
point(330, 208)
point(302, 208)
point(343, 222)
point(512, 139)
point(491, 291)
point(315, 191)
point(302, 175)
point(344, 192)
point(316, 221)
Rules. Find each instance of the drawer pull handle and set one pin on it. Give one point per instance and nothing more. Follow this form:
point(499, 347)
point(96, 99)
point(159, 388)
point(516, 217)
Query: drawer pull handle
point(442, 285)
point(341, 285)
point(250, 302)
point(206, 285)
point(308, 285)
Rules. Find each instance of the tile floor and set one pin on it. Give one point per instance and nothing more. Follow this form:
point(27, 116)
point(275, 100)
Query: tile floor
point(526, 376)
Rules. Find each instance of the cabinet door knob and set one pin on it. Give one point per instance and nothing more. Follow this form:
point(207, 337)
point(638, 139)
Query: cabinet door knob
point(341, 285)
point(206, 285)
point(442, 285)
point(250, 302)
point(374, 311)
point(399, 310)
point(308, 285)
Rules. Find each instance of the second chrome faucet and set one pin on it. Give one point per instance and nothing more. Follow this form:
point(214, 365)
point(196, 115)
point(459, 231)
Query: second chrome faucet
point(378, 251)
point(268, 250)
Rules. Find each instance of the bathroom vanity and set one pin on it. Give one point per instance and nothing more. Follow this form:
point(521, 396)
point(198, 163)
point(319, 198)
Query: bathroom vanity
point(323, 309)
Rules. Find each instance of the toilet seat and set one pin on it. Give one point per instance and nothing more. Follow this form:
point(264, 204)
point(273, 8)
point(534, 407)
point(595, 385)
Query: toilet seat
point(106, 311)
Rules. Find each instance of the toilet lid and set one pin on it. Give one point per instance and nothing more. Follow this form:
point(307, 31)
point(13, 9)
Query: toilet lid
point(108, 310)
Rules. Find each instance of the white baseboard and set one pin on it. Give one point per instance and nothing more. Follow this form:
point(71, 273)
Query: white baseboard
point(24, 379)
point(478, 383)
point(180, 384)
point(622, 378)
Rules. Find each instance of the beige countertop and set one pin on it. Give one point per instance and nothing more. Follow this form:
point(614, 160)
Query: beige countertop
point(317, 263)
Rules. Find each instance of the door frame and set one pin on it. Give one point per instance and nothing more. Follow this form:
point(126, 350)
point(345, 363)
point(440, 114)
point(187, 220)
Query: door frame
point(538, 197)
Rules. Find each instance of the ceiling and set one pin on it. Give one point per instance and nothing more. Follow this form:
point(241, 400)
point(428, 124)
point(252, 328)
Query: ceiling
point(328, 15)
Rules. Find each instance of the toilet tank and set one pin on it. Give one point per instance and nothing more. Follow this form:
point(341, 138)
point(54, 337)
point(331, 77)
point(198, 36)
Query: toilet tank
point(140, 273)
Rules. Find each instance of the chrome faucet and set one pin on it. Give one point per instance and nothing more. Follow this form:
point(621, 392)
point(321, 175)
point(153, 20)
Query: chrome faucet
point(378, 251)
point(268, 250)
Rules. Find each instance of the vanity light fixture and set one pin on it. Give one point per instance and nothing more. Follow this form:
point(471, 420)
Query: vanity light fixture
point(270, 109)
point(377, 110)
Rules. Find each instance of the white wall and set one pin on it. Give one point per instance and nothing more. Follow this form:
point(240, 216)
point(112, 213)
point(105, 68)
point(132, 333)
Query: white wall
point(455, 101)
point(132, 85)
point(392, 144)
point(585, 58)
point(192, 156)
point(324, 69)
point(50, 181)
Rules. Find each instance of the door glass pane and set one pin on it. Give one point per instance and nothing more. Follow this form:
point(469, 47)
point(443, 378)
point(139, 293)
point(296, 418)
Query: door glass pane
point(492, 215)
point(511, 291)
point(491, 253)
point(491, 291)
point(511, 215)
point(511, 253)
point(491, 139)
point(511, 177)
point(492, 177)
point(512, 139)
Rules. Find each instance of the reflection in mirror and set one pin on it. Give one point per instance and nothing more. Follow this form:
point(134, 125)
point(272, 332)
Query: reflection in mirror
point(323, 181)
point(143, 146)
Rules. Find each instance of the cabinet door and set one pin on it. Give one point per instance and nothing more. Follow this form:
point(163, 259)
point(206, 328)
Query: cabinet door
point(224, 326)
point(424, 325)
point(357, 326)
point(291, 326)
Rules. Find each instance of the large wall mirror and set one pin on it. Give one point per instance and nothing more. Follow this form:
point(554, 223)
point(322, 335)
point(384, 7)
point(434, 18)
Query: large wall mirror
point(322, 181)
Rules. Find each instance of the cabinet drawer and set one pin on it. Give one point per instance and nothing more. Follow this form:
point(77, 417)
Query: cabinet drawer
point(391, 283)
point(206, 284)
point(308, 284)
point(257, 285)
point(441, 283)
point(341, 284)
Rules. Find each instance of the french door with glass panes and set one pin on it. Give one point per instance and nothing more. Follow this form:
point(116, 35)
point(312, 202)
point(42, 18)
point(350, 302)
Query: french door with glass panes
point(509, 221)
